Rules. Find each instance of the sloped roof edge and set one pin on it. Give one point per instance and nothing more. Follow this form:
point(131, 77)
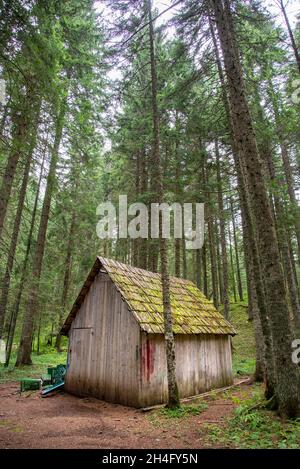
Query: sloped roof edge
point(80, 298)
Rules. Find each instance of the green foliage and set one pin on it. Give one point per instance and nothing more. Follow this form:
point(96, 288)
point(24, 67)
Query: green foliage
point(254, 427)
point(184, 411)
point(39, 367)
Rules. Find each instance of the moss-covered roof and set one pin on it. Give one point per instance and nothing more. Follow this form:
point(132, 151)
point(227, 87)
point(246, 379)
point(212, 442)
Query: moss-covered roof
point(192, 312)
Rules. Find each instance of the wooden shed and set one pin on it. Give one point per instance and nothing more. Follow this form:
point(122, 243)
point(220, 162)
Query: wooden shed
point(116, 338)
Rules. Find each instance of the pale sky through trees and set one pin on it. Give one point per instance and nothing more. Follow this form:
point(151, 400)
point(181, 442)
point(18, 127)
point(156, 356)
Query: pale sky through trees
point(292, 8)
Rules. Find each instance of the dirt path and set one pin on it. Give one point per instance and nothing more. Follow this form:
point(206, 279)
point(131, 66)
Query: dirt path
point(65, 421)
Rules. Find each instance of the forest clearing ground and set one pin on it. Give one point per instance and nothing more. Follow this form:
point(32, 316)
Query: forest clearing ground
point(65, 421)
point(229, 419)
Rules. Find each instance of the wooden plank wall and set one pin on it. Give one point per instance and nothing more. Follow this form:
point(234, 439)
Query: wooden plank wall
point(111, 359)
point(104, 347)
point(203, 362)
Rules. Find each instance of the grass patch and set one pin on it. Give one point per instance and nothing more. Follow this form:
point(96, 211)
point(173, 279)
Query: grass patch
point(10, 426)
point(38, 368)
point(184, 411)
point(172, 419)
point(243, 366)
point(4, 423)
point(16, 429)
point(243, 343)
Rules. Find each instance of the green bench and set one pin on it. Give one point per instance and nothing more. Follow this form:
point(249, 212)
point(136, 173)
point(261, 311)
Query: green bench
point(30, 384)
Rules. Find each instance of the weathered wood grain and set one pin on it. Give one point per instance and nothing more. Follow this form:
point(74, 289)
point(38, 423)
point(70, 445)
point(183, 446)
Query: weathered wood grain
point(103, 361)
point(203, 362)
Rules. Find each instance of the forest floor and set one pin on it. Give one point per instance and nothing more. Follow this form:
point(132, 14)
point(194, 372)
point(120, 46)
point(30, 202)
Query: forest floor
point(229, 419)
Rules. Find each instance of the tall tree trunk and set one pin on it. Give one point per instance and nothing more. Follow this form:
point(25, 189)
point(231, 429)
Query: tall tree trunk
point(184, 260)
point(15, 232)
point(250, 244)
point(143, 252)
point(291, 35)
point(277, 205)
point(177, 244)
point(173, 395)
point(211, 235)
point(219, 262)
point(38, 347)
point(232, 266)
point(4, 119)
point(66, 284)
point(177, 256)
point(204, 265)
point(136, 242)
point(16, 306)
point(20, 131)
point(222, 235)
point(287, 384)
point(283, 241)
point(260, 365)
point(198, 269)
point(213, 257)
point(289, 238)
point(27, 107)
point(261, 351)
point(153, 244)
point(24, 352)
point(286, 164)
point(237, 259)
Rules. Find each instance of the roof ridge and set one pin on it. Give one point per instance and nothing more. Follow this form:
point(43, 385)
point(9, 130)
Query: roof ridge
point(107, 261)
